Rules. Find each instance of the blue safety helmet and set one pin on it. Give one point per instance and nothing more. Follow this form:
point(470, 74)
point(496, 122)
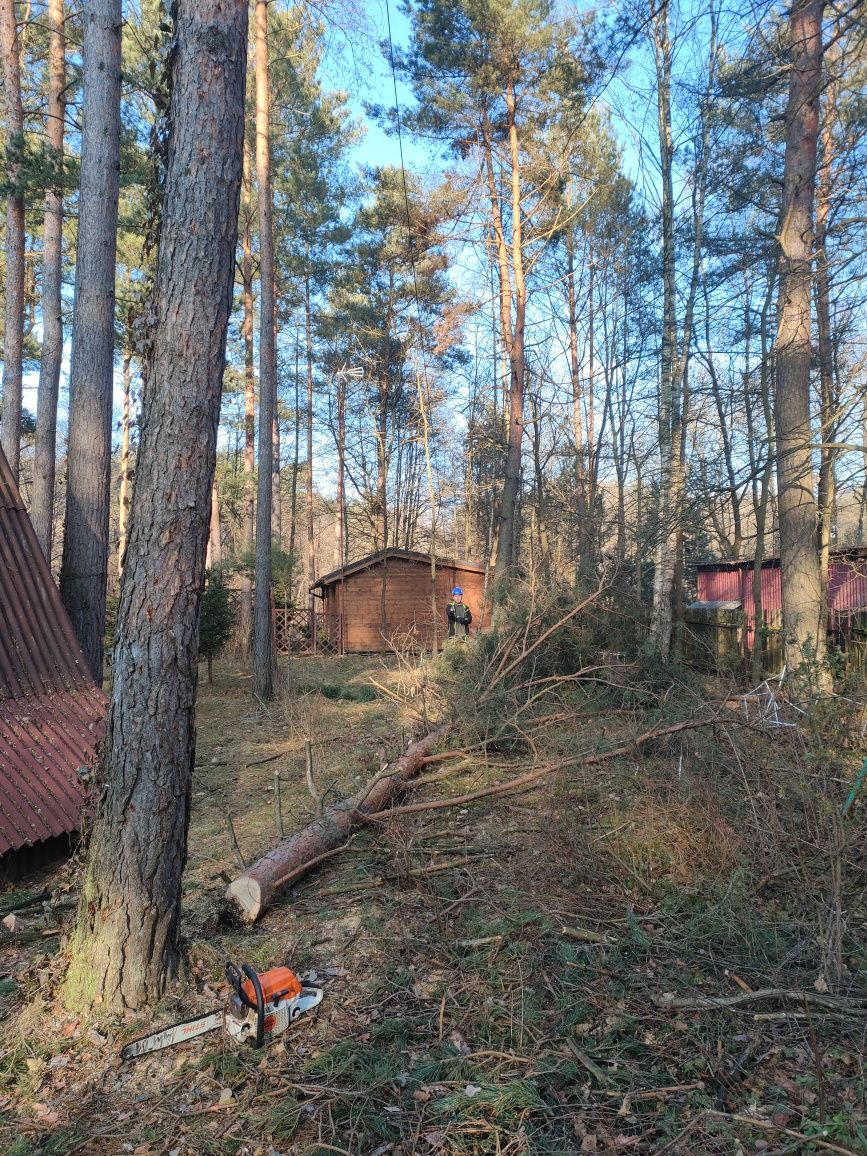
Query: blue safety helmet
point(457, 590)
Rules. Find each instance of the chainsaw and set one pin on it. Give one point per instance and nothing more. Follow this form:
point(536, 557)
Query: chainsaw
point(263, 1005)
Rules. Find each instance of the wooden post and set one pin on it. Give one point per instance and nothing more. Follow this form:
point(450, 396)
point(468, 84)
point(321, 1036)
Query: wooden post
point(235, 843)
point(278, 805)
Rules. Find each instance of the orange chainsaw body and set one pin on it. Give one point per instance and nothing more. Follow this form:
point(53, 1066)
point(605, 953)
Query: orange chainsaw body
point(277, 984)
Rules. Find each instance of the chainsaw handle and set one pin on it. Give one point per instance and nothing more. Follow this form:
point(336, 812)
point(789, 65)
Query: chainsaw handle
point(233, 975)
point(259, 1005)
point(237, 984)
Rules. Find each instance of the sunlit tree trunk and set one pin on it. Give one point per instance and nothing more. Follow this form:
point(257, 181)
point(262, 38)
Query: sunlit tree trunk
point(675, 364)
point(45, 454)
point(669, 416)
point(125, 948)
point(246, 615)
point(293, 491)
point(84, 568)
point(577, 399)
point(762, 495)
point(13, 344)
point(276, 482)
point(311, 536)
point(798, 511)
point(214, 552)
point(123, 494)
point(507, 535)
point(340, 528)
point(828, 402)
point(263, 646)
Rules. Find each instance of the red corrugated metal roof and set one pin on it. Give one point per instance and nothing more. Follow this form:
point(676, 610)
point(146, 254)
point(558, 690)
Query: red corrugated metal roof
point(51, 715)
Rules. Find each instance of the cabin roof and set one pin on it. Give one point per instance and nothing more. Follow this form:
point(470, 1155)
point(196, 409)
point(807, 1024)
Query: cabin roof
point(52, 716)
point(843, 554)
point(379, 557)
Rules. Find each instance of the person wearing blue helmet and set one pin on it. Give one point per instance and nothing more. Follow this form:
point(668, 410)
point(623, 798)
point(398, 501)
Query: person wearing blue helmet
point(459, 615)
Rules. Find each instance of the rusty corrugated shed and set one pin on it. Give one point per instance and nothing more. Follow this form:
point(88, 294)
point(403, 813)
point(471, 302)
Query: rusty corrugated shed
point(51, 715)
point(847, 587)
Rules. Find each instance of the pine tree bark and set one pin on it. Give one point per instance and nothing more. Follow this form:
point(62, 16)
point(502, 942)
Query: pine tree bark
point(762, 489)
point(293, 489)
point(675, 364)
point(125, 948)
point(214, 552)
point(577, 401)
point(311, 537)
point(828, 400)
point(125, 473)
point(507, 533)
point(45, 454)
point(84, 568)
point(340, 527)
point(804, 637)
point(666, 550)
point(13, 344)
point(263, 645)
point(246, 616)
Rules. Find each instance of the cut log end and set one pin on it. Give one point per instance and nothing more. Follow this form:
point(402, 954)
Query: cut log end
point(244, 897)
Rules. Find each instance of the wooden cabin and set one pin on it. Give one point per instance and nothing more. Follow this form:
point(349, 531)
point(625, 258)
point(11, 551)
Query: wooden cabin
point(383, 602)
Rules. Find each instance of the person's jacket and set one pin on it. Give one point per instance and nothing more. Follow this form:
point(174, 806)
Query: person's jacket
point(459, 612)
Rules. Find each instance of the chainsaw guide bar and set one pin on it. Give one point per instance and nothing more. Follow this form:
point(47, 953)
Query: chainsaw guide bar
point(263, 1006)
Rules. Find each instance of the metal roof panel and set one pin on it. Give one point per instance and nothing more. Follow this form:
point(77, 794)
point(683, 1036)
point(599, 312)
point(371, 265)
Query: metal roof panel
point(52, 717)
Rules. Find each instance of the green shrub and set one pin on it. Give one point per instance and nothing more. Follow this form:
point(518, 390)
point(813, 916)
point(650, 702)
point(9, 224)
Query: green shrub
point(216, 617)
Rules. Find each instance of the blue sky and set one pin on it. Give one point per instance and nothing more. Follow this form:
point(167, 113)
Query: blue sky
point(362, 71)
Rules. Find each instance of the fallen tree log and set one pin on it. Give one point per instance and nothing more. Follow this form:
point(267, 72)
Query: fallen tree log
point(251, 893)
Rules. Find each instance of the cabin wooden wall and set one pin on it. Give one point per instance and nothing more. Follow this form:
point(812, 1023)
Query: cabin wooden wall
point(408, 610)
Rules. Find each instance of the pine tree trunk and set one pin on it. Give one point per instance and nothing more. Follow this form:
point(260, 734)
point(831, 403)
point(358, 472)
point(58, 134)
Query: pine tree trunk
point(577, 400)
point(507, 535)
point(828, 404)
point(293, 490)
point(263, 646)
point(84, 569)
point(45, 455)
point(13, 344)
point(214, 553)
point(798, 511)
point(674, 369)
point(664, 560)
point(311, 539)
point(125, 947)
point(340, 529)
point(123, 496)
point(246, 616)
point(276, 482)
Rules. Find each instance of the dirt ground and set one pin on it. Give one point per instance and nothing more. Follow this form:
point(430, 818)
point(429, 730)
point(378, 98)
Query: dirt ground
point(501, 977)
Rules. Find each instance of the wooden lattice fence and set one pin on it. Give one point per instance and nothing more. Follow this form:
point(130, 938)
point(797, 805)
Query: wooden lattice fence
point(297, 632)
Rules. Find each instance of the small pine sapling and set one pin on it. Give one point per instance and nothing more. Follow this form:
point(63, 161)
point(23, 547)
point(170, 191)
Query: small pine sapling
point(216, 617)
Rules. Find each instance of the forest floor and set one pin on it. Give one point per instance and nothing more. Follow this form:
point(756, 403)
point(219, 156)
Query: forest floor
point(497, 976)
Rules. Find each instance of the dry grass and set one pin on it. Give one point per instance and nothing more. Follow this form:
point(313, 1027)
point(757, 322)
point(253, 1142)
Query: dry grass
point(668, 838)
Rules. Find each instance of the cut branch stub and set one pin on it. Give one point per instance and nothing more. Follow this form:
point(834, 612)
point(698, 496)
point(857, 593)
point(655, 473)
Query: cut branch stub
point(251, 893)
